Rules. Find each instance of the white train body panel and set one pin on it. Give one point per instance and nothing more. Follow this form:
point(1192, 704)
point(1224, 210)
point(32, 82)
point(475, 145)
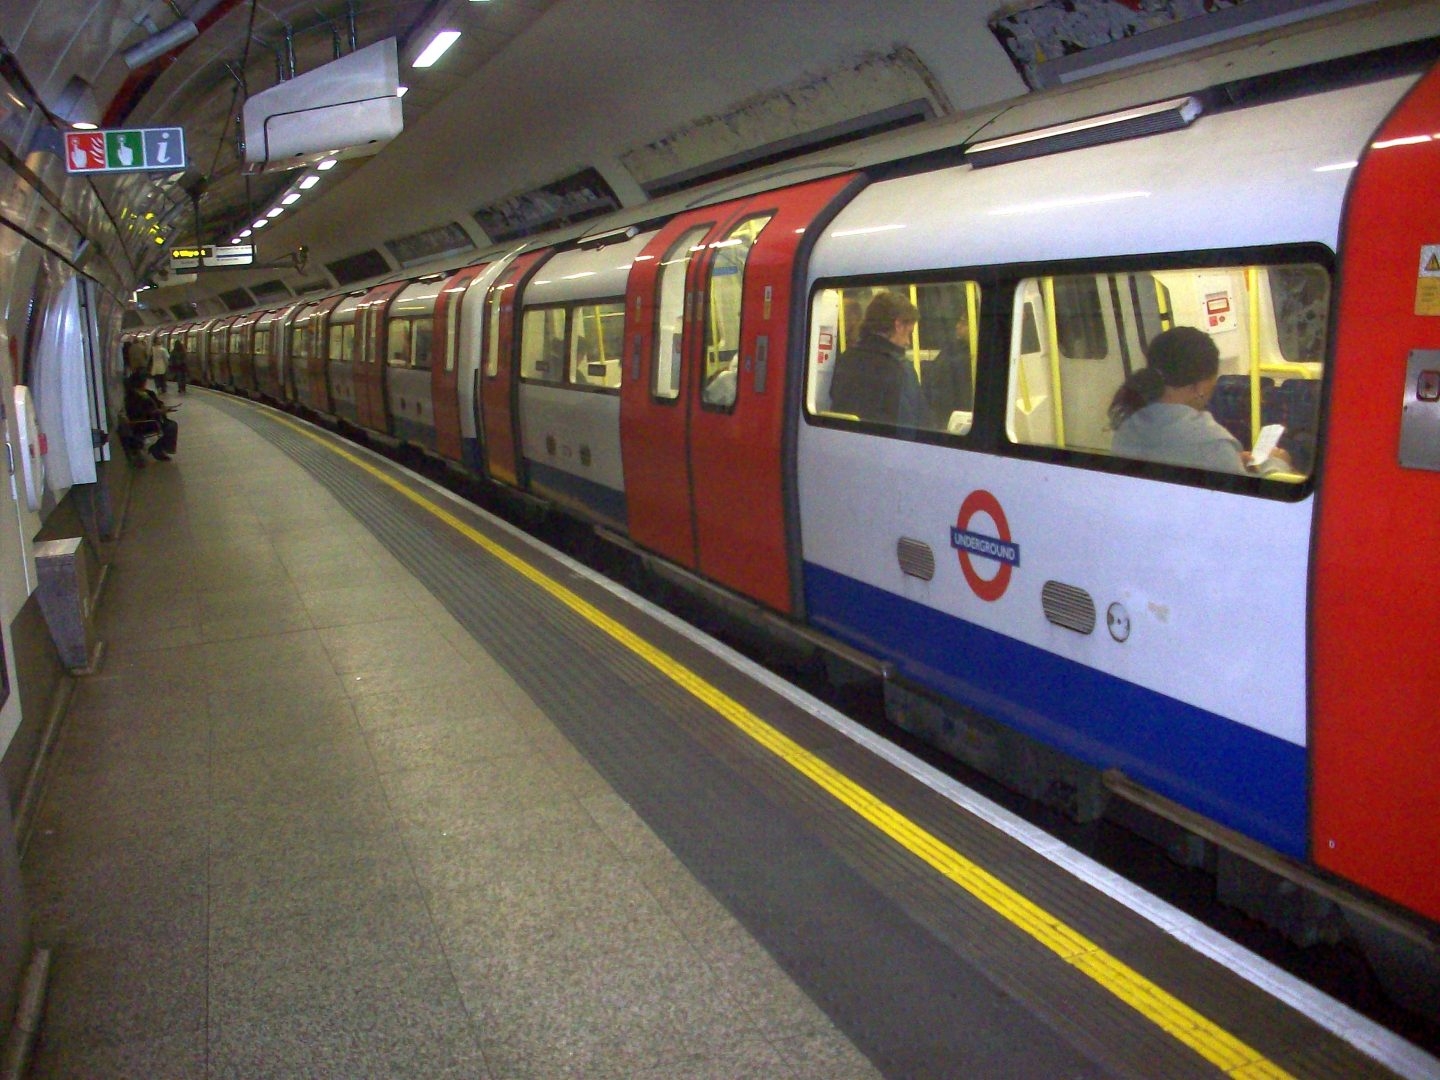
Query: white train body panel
point(570, 435)
point(1194, 189)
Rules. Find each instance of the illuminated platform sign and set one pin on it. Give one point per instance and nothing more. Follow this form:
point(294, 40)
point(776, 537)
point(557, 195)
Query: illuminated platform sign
point(125, 150)
point(210, 257)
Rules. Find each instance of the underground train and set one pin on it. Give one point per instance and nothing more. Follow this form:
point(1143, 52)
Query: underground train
point(1242, 663)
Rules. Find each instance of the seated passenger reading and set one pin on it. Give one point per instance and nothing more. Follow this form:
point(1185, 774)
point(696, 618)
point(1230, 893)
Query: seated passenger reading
point(1159, 413)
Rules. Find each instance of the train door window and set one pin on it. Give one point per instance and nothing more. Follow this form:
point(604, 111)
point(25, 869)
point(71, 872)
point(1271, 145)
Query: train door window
point(421, 331)
point(260, 344)
point(542, 344)
point(1078, 340)
point(670, 313)
point(342, 342)
point(300, 341)
point(397, 343)
point(492, 332)
point(858, 372)
point(720, 378)
point(452, 329)
point(596, 343)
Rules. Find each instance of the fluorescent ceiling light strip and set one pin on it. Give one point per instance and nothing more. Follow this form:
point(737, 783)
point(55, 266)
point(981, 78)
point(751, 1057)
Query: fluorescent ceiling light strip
point(436, 49)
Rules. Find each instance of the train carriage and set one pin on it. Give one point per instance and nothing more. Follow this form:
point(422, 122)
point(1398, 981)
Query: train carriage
point(572, 341)
point(1149, 620)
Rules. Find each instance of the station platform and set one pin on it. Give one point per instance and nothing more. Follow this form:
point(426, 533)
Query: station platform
point(370, 784)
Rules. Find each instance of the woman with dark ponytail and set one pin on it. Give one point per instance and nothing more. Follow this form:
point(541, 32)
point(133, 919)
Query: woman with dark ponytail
point(1159, 412)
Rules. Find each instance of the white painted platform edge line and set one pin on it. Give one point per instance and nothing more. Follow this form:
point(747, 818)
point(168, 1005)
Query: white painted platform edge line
point(1385, 1047)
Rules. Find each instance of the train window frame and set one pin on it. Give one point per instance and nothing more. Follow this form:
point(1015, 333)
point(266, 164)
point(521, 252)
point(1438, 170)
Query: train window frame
point(690, 244)
point(494, 304)
point(398, 357)
point(1008, 278)
point(715, 392)
point(1060, 401)
point(422, 338)
point(827, 342)
point(611, 354)
point(530, 360)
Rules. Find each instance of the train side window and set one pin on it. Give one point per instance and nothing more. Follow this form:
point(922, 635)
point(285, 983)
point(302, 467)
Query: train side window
point(261, 344)
point(542, 344)
point(598, 331)
point(1077, 339)
point(670, 313)
point(720, 376)
point(926, 383)
point(397, 343)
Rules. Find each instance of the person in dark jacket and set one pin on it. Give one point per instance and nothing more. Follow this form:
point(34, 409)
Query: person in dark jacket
point(874, 378)
point(143, 406)
point(948, 385)
point(179, 367)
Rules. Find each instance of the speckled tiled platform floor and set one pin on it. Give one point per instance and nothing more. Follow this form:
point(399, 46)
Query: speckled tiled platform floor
point(301, 825)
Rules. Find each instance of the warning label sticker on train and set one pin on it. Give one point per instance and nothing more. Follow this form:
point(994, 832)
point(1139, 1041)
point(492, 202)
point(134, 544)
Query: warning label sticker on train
point(994, 545)
point(1427, 288)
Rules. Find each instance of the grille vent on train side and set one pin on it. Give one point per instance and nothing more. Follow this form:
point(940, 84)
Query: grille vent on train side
point(916, 558)
point(1068, 606)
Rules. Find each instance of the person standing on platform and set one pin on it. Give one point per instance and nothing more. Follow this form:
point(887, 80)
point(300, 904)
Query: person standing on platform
point(179, 369)
point(159, 363)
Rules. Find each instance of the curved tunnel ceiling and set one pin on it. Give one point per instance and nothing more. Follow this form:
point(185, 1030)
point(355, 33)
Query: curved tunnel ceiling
point(625, 96)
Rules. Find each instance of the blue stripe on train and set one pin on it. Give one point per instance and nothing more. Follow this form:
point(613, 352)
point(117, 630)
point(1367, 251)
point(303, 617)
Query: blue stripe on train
point(603, 502)
point(1244, 779)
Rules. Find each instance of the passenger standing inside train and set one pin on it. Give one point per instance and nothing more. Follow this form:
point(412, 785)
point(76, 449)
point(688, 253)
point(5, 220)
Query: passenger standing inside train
point(143, 406)
point(159, 362)
point(1159, 412)
point(179, 368)
point(948, 384)
point(874, 378)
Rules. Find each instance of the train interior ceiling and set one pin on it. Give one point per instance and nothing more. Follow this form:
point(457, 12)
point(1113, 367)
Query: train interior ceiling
point(569, 151)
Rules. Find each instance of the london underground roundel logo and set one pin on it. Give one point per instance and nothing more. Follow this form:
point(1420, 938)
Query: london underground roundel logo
point(993, 545)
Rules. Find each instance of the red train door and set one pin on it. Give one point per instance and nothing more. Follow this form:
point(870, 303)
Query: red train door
point(499, 385)
point(712, 457)
point(370, 408)
point(1375, 726)
point(317, 369)
point(445, 361)
point(654, 395)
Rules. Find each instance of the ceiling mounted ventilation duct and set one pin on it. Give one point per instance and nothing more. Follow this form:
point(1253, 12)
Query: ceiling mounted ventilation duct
point(157, 45)
point(347, 108)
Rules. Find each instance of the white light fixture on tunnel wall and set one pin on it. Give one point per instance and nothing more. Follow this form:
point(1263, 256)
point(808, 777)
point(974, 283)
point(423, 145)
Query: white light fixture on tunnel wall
point(436, 49)
point(327, 164)
point(77, 105)
point(293, 197)
point(309, 182)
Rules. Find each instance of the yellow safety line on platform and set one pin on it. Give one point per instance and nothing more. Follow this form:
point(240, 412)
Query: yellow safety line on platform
point(1207, 1039)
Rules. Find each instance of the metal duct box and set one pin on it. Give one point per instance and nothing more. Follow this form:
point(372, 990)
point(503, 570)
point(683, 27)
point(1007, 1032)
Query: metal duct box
point(347, 107)
point(64, 594)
